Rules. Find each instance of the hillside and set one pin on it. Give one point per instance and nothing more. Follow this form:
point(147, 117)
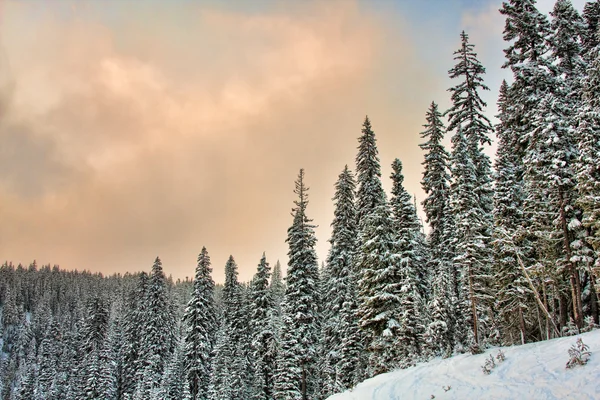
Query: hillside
point(533, 371)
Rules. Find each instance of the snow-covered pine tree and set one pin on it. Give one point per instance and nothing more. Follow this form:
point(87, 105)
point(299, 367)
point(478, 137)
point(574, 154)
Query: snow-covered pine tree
point(341, 341)
point(134, 332)
point(588, 173)
point(590, 38)
point(230, 363)
point(200, 321)
point(159, 338)
point(175, 384)
point(297, 377)
point(407, 231)
point(277, 286)
point(98, 373)
point(370, 192)
point(377, 261)
point(513, 294)
point(264, 349)
point(474, 226)
point(436, 185)
point(474, 285)
point(527, 31)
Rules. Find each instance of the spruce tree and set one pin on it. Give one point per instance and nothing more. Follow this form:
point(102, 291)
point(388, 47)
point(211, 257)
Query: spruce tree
point(134, 332)
point(159, 338)
point(230, 363)
point(98, 375)
point(370, 192)
point(341, 342)
point(297, 377)
point(513, 294)
point(413, 289)
point(472, 193)
point(590, 37)
point(201, 326)
point(588, 174)
point(264, 351)
point(436, 185)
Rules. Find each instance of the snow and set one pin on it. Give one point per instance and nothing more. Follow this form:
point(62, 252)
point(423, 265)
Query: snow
point(533, 371)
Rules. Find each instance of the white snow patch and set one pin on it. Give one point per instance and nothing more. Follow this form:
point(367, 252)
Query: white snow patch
point(533, 371)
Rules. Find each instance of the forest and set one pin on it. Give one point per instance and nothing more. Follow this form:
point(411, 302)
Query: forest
point(510, 254)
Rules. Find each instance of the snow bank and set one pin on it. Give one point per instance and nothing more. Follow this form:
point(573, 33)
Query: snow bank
point(533, 371)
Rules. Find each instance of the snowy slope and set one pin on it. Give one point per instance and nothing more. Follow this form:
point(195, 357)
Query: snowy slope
point(533, 371)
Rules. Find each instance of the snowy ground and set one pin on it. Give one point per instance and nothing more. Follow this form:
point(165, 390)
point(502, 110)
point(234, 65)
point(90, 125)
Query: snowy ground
point(533, 371)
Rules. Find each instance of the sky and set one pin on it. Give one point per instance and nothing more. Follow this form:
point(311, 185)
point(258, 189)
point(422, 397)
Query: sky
point(130, 130)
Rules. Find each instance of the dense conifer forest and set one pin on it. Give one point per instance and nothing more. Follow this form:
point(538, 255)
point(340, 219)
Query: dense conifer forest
point(510, 255)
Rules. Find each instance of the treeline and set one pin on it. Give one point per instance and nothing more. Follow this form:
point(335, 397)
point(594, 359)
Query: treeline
point(511, 256)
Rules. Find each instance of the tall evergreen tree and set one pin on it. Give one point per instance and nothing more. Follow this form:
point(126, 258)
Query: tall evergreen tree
point(341, 366)
point(588, 173)
point(297, 377)
point(134, 332)
point(436, 185)
point(590, 38)
point(230, 364)
point(472, 194)
point(200, 320)
point(513, 294)
point(264, 350)
point(413, 289)
point(98, 376)
point(370, 192)
point(159, 338)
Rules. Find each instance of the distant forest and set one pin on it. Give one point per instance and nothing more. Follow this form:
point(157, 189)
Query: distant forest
point(512, 255)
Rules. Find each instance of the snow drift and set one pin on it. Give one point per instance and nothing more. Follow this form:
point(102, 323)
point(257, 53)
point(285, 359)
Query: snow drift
point(533, 371)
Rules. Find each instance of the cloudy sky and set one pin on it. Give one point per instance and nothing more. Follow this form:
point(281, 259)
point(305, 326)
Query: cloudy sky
point(133, 129)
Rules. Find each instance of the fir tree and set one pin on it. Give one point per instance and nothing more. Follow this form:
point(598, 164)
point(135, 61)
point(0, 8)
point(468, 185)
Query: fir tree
point(264, 351)
point(370, 193)
point(297, 376)
point(513, 295)
point(200, 321)
point(588, 173)
point(590, 36)
point(413, 289)
point(98, 377)
point(472, 195)
point(134, 332)
point(230, 364)
point(341, 367)
point(436, 184)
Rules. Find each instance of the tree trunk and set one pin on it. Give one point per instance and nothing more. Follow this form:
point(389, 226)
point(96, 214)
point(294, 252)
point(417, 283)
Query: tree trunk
point(574, 279)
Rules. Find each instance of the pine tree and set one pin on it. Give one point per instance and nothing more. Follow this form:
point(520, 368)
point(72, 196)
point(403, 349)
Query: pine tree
point(174, 382)
point(475, 276)
point(379, 289)
point(264, 351)
point(134, 331)
point(201, 325)
point(590, 38)
point(159, 338)
point(230, 364)
point(98, 377)
point(296, 377)
point(341, 342)
point(588, 174)
point(436, 184)
point(376, 263)
point(472, 184)
point(370, 193)
point(513, 294)
point(527, 31)
point(413, 289)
